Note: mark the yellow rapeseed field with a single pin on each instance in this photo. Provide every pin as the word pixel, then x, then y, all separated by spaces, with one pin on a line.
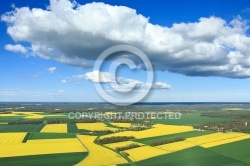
pixel 34 116
pixel 15 112
pixel 6 115
pixel 12 138
pixel 205 141
pixel 94 126
pixel 121 124
pixel 156 130
pixel 144 152
pixel 30 115
pixel 55 128
pixel 124 143
pixel 211 138
pixel 42 146
pixel 235 137
pixel 98 155
pixel 111 113
pixel 176 146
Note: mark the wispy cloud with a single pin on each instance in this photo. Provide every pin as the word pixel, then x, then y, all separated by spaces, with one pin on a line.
pixel 123 83
pixel 52 69
pixel 60 91
pixel 63 81
pixel 16 48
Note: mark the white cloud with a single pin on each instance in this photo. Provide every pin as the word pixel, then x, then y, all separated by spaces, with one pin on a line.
pixel 64 81
pixel 60 91
pixel 98 77
pixel 161 85
pixel 16 48
pixel 76 34
pixel 52 69
pixel 123 83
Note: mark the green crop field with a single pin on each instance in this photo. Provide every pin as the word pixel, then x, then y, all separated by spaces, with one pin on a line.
pixel 56 117
pixel 190 119
pixel 196 156
pixel 6 119
pixel 64 159
pixel 172 136
pixel 51 135
pixel 238 150
pixel 72 128
pixel 21 128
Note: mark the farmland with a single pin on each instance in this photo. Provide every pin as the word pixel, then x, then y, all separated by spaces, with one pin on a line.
pixel 191 119
pixel 51 138
pixel 10 138
pixel 63 159
pixel 171 136
pixel 121 124
pixel 42 146
pixel 55 128
pixel 99 153
pixel 156 130
pixel 21 128
pixel 37 135
pixel 119 144
pixel 238 150
pixel 94 126
pixel 144 152
pixel 194 156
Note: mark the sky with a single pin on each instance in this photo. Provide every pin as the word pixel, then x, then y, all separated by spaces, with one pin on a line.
pixel 199 51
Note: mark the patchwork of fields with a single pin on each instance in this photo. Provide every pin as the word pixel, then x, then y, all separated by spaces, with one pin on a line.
pixel 205 141
pixel 156 130
pixel 33 142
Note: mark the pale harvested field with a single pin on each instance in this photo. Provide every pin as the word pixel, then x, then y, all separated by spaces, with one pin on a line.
pixel 12 138
pixel 42 146
pixel 94 126
pixel 55 128
pixel 156 130
pixel 98 155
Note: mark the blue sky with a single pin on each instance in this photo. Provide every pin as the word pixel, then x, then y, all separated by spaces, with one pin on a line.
pixel 29 73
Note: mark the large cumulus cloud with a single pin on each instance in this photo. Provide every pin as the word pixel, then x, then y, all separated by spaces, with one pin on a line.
pixel 76 34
